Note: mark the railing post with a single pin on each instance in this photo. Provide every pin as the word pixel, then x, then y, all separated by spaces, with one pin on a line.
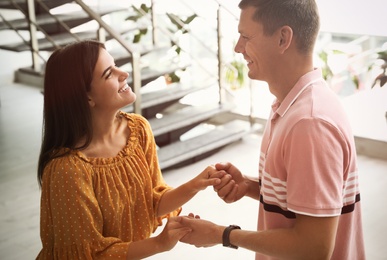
pixel 136 76
pixel 101 34
pixel 220 61
pixel 153 19
pixel 33 39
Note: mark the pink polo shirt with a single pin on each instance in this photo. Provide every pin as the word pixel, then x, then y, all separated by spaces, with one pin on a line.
pixel 308 165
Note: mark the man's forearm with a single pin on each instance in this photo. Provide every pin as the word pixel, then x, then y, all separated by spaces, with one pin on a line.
pixel 253 187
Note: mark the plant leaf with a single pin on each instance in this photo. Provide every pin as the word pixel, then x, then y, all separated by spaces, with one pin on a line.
pixel 145 8
pixel 173 77
pixel 139 34
pixel 178 50
pixel 337 52
pixel 323 56
pixel 174 18
pixel 383 80
pixel 132 18
pixel 382 55
pixel 137 38
pixel 144 31
pixel 356 81
pixel 190 19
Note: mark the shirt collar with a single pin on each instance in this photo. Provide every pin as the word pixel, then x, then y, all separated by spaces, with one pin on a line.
pixel 305 81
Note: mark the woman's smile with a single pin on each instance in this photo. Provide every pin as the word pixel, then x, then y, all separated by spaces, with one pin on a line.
pixel 124 89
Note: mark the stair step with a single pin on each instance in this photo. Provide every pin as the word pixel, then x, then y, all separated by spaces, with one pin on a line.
pixel 122 57
pixel 29 76
pixel 150 74
pixel 189 115
pixel 73 19
pixel 182 152
pixel 171 92
pixel 7 4
pixel 62 39
pixel 44 44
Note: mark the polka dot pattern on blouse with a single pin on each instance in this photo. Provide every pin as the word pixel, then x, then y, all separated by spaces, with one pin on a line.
pixel 92 208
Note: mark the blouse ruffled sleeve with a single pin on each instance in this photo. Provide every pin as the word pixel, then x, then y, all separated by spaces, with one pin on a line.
pixel 71 219
pixel 159 186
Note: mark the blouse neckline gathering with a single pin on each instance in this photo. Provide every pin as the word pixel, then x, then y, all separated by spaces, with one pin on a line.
pixel 126 150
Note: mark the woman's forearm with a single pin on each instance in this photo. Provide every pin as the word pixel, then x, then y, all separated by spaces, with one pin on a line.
pixel 144 248
pixel 175 198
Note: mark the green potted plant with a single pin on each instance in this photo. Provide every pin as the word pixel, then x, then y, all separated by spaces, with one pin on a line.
pixel 382 77
pixel 139 13
pixel 327 71
pixel 180 27
pixel 178 22
pixel 235 73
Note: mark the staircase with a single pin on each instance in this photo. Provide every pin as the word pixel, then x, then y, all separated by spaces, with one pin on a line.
pixel 180 93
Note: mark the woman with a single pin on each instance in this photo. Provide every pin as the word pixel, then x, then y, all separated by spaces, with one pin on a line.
pixel 103 194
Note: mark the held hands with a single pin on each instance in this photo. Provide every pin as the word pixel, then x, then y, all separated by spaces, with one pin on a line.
pixel 230 185
pixel 175 198
pixel 203 233
pixel 233 185
pixel 209 177
pixel 171 234
pixel 226 179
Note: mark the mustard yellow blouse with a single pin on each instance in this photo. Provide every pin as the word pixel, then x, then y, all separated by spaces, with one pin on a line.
pixel 92 208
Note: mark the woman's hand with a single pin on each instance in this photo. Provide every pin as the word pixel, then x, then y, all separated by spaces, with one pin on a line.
pixel 171 234
pixel 210 176
pixel 175 198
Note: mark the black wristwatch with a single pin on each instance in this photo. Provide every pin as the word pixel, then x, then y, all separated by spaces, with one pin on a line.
pixel 226 236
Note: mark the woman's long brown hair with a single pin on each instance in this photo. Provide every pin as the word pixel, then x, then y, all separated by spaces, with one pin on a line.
pixel 66 111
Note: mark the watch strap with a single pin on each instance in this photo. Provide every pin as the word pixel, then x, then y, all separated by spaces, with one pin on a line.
pixel 226 236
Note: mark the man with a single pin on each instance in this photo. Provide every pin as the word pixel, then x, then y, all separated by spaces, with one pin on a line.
pixel 308 182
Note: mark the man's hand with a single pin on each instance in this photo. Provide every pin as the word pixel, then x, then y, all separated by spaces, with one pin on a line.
pixel 233 185
pixel 204 233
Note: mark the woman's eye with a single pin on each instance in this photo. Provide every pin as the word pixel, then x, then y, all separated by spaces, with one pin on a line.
pixel 109 75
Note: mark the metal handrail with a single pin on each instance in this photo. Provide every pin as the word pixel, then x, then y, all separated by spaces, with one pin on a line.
pixel 19 34
pixel 45 7
pixel 135 54
pixel 217 54
pixel 32 29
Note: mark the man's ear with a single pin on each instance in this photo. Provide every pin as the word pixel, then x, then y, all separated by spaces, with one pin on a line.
pixel 285 37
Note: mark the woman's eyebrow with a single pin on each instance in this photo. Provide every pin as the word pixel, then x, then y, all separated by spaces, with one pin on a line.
pixel 106 70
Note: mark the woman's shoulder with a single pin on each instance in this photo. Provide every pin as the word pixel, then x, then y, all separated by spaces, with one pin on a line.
pixel 140 127
pixel 67 159
pixel 136 120
pixel 68 164
pixel 133 116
